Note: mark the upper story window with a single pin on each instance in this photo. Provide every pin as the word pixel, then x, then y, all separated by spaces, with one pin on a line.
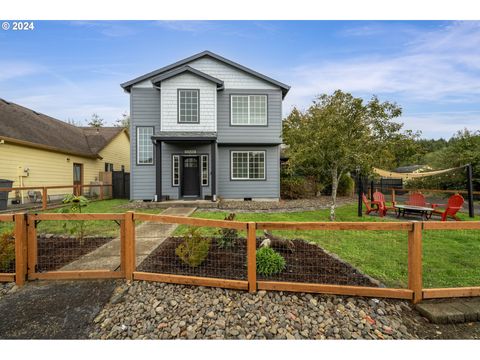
pixel 144 145
pixel 248 110
pixel 188 106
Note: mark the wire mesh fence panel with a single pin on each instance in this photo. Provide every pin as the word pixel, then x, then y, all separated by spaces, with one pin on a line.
pixel 191 250
pixel 75 245
pixel 373 258
pixel 7 247
pixel 451 258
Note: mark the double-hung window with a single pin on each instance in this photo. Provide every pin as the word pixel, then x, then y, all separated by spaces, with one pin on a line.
pixel 248 165
pixel 188 106
pixel 248 110
pixel 144 145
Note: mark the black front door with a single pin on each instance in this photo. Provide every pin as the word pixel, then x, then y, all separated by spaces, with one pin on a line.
pixel 190 176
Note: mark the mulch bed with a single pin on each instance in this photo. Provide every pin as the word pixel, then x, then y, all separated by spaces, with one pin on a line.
pixel 55 252
pixel 306 263
pixel 58 251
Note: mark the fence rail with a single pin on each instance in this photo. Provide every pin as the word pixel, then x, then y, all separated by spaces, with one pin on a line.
pixel 76 189
pixel 26 253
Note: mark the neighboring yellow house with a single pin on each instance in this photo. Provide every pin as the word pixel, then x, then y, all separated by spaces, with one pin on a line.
pixel 37 150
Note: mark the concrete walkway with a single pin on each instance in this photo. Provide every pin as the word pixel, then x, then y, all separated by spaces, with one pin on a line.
pixel 148 236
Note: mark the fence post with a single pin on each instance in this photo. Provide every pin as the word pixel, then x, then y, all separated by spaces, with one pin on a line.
pixel 252 257
pixel 44 198
pixel 101 192
pixel 415 261
pixel 129 239
pixel 20 247
pixel 31 245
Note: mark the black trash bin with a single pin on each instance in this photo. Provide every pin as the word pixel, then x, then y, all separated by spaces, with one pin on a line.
pixel 4 194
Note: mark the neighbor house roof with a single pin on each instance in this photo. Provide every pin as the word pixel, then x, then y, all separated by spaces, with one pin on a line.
pixel 28 127
pixel 127 85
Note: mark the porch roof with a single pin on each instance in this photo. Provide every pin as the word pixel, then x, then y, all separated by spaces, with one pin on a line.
pixel 184 136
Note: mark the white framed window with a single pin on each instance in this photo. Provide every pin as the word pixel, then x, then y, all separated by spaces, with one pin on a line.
pixel 248 165
pixel 144 145
pixel 175 170
pixel 204 170
pixel 188 106
pixel 248 110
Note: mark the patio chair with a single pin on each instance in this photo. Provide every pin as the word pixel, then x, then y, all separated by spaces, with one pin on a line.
pixel 367 205
pixel 379 200
pixel 418 199
pixel 455 203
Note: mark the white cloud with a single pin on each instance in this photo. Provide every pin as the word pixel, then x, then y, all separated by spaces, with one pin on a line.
pixel 14 69
pixel 439 66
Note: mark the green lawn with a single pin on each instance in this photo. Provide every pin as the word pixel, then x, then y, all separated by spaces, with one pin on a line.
pixel 100 227
pixel 451 258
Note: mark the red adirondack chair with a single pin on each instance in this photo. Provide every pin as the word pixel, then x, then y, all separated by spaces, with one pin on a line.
pixel 379 200
pixel 455 203
pixel 367 205
pixel 418 199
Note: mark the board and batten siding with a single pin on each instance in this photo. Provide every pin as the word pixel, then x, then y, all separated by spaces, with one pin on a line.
pixel 256 189
pixel 233 78
pixel 169 103
pixel 270 134
pixel 144 111
pixel 167 151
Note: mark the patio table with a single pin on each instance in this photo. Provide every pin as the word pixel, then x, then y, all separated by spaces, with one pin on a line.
pixel 423 211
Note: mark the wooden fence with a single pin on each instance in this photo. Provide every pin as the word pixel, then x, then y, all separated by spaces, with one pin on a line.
pixel 25 242
pixel 76 189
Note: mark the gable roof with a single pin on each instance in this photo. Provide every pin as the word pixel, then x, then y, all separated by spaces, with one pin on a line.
pixel 186 68
pixel 127 85
pixel 28 127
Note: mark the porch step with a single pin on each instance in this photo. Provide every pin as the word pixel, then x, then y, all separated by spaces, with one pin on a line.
pixel 205 204
pixel 450 311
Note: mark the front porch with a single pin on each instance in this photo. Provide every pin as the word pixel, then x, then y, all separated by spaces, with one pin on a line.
pixel 186 166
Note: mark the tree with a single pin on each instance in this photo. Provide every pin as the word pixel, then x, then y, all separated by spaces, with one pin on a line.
pixel 340 133
pixel 124 121
pixel 95 121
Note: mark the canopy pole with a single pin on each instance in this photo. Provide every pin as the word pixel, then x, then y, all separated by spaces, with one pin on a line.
pixel 360 188
pixel 470 190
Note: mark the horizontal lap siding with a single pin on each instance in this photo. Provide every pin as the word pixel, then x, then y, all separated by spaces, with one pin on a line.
pixel 269 188
pixel 145 111
pixel 167 151
pixel 250 134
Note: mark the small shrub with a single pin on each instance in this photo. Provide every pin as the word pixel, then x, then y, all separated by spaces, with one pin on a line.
pixel 346 186
pixel 227 236
pixel 269 262
pixel 194 249
pixel 75 206
pixel 7 251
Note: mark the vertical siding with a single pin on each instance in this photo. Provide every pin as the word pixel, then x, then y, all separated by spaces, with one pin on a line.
pixel 270 134
pixel 230 189
pixel 144 111
pixel 208 94
pixel 167 151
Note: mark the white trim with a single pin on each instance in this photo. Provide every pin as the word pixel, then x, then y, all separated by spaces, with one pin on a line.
pixel 248 152
pixel 137 146
pixel 173 169
pixel 249 123
pixel 201 169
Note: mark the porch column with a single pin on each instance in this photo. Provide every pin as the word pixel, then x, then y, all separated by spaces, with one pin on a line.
pixel 158 169
pixel 213 156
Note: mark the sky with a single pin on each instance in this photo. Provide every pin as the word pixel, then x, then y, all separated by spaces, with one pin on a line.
pixel 71 69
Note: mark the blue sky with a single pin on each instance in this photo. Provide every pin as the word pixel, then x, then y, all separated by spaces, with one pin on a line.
pixel 70 69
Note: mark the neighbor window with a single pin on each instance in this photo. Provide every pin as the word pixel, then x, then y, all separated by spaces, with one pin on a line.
pixel 188 106
pixel 204 170
pixel 248 165
pixel 144 145
pixel 108 167
pixel 176 170
pixel 249 110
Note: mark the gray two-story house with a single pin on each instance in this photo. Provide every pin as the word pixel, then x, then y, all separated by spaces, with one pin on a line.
pixel 205 127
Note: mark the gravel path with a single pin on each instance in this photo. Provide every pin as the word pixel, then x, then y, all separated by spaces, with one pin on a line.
pixel 146 310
